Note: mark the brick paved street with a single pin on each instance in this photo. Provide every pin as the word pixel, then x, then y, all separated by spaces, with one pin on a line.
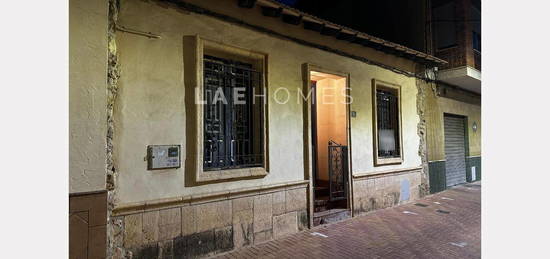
pixel 406 231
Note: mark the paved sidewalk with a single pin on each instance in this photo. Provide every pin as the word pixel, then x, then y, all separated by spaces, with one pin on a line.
pixel 406 231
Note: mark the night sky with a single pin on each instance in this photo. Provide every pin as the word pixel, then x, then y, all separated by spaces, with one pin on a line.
pixel 399 21
pixel 287 2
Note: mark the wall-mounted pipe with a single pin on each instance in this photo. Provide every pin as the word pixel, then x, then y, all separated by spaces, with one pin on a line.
pixel 146 34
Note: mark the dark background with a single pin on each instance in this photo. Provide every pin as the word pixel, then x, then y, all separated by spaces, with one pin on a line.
pixel 399 21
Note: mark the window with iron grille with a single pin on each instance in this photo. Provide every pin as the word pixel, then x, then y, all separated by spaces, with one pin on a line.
pixel 387 115
pixel 233 120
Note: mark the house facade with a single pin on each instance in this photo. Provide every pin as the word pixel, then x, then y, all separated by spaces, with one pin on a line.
pixel 198 127
pixel 449 30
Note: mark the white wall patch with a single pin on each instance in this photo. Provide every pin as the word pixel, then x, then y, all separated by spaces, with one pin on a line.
pixel 318 234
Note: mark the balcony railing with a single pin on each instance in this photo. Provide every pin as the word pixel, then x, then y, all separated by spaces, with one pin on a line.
pixel 453 55
pixel 457 58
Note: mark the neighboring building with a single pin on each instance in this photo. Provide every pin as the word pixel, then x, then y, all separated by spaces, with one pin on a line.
pixel 454 110
pixel 160 168
pixel 456 38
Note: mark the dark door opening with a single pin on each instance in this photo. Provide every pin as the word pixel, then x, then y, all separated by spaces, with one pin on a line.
pixel 329 119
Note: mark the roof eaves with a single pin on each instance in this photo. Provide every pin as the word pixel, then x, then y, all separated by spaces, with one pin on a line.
pixel 336 29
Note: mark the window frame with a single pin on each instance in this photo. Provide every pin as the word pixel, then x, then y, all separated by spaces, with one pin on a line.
pixel 228 130
pixel 195 47
pixel 378 161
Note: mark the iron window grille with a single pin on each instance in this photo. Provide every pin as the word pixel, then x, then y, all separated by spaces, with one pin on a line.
pixel 233 120
pixel 388 124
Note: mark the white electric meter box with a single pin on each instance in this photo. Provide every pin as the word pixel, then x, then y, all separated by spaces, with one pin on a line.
pixel 163 157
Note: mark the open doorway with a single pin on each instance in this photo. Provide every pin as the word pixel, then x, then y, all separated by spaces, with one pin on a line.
pixel 329 117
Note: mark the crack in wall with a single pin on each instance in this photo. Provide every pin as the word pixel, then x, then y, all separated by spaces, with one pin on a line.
pixel 114 224
pixel 113 74
pixel 424 188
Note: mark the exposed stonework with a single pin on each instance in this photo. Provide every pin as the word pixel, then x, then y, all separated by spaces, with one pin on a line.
pixel 166 249
pixel 263 213
pixel 206 228
pixel 169 223
pixel 117 229
pixel 189 220
pixel 279 203
pixel 372 193
pixel 113 74
pixel 421 130
pixel 296 199
pixel 213 215
pixel 263 236
pixel 133 230
pixel 285 224
pixel 243 219
pixel 114 225
pixel 243 234
pixel 303 220
pixel 151 226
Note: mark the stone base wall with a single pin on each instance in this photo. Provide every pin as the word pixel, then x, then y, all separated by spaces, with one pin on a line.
pixel 385 190
pixel 204 228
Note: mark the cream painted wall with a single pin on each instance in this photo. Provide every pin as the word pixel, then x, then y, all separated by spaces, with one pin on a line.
pixel 150 108
pixel 473 114
pixel 331 119
pixel 87 94
pixel 254 16
pixel 361 126
pixel 435 109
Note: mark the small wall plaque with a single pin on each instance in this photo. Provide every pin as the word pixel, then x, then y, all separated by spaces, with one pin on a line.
pixel 163 157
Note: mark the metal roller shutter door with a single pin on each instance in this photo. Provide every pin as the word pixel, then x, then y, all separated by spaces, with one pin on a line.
pixel 455 154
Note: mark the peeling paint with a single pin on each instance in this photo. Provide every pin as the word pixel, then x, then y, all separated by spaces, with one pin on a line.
pixel 113 74
pixel 114 225
pixel 424 188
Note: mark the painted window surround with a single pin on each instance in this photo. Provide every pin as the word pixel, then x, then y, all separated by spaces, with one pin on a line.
pixel 195 47
pixel 376 84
